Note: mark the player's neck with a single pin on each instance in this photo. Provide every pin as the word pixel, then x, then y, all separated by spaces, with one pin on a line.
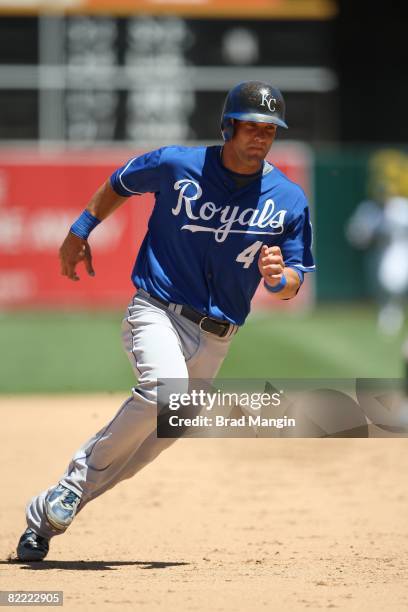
pixel 230 161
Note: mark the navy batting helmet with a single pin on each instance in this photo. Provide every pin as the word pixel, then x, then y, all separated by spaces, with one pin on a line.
pixel 252 101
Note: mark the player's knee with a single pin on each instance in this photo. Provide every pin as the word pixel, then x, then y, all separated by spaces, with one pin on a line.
pixel 161 389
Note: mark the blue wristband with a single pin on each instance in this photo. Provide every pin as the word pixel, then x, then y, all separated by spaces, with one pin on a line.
pixel 283 282
pixel 84 225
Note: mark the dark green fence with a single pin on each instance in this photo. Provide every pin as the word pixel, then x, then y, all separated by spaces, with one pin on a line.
pixel 340 184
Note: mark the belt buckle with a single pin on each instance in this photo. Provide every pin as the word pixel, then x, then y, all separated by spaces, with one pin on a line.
pixel 226 326
pixel 201 321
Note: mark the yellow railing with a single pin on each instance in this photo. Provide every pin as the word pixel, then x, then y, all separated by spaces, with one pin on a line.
pixel 271 9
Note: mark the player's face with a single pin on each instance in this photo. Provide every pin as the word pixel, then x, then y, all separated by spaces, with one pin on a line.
pixel 252 141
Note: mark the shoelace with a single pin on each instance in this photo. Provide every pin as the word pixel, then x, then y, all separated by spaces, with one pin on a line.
pixel 70 499
pixel 37 538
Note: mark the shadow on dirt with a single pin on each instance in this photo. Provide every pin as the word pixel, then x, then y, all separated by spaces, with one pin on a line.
pixel 90 565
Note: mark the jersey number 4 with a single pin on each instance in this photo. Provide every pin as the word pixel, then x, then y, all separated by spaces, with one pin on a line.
pixel 247 256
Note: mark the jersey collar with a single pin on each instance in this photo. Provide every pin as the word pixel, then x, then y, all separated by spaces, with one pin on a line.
pixel 227 176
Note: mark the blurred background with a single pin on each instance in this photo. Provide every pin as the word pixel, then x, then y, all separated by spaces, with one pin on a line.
pixel 87 84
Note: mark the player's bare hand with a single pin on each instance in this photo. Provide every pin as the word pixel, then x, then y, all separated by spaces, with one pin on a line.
pixel 271 264
pixel 74 250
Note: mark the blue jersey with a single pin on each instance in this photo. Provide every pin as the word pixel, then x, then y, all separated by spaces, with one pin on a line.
pixel 205 234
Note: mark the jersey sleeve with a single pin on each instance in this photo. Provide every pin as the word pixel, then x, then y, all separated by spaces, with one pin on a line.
pixel 297 246
pixel 139 175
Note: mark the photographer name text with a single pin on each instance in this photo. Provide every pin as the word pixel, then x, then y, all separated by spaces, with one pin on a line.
pixel 223 421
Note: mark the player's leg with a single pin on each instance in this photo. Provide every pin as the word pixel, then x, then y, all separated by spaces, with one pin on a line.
pixel 204 363
pixel 155 351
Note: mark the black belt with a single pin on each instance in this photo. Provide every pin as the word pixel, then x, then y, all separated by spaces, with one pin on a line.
pixel 219 328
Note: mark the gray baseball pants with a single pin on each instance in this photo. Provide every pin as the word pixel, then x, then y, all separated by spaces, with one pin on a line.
pixel 160 343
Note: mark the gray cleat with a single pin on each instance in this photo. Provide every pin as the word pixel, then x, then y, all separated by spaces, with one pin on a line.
pixel 60 507
pixel 32 547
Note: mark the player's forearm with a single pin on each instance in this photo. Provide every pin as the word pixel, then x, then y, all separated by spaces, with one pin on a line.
pixel 292 284
pixel 104 201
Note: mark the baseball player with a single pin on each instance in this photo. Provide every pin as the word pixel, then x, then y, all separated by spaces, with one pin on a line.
pixel 224 219
pixel 380 226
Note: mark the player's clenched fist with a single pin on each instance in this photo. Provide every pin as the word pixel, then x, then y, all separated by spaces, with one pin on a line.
pixel 72 251
pixel 271 264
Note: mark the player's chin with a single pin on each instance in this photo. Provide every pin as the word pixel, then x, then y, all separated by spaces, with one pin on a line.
pixel 255 155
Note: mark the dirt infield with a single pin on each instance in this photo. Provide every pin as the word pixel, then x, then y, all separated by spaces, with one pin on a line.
pixel 237 525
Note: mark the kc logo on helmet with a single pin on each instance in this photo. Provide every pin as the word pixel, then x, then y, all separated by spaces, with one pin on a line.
pixel 268 101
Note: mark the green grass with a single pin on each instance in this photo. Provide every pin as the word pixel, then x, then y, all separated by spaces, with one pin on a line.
pixel 330 342
pixel 81 351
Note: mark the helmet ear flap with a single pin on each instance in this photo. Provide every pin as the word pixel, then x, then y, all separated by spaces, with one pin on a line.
pixel 227 129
